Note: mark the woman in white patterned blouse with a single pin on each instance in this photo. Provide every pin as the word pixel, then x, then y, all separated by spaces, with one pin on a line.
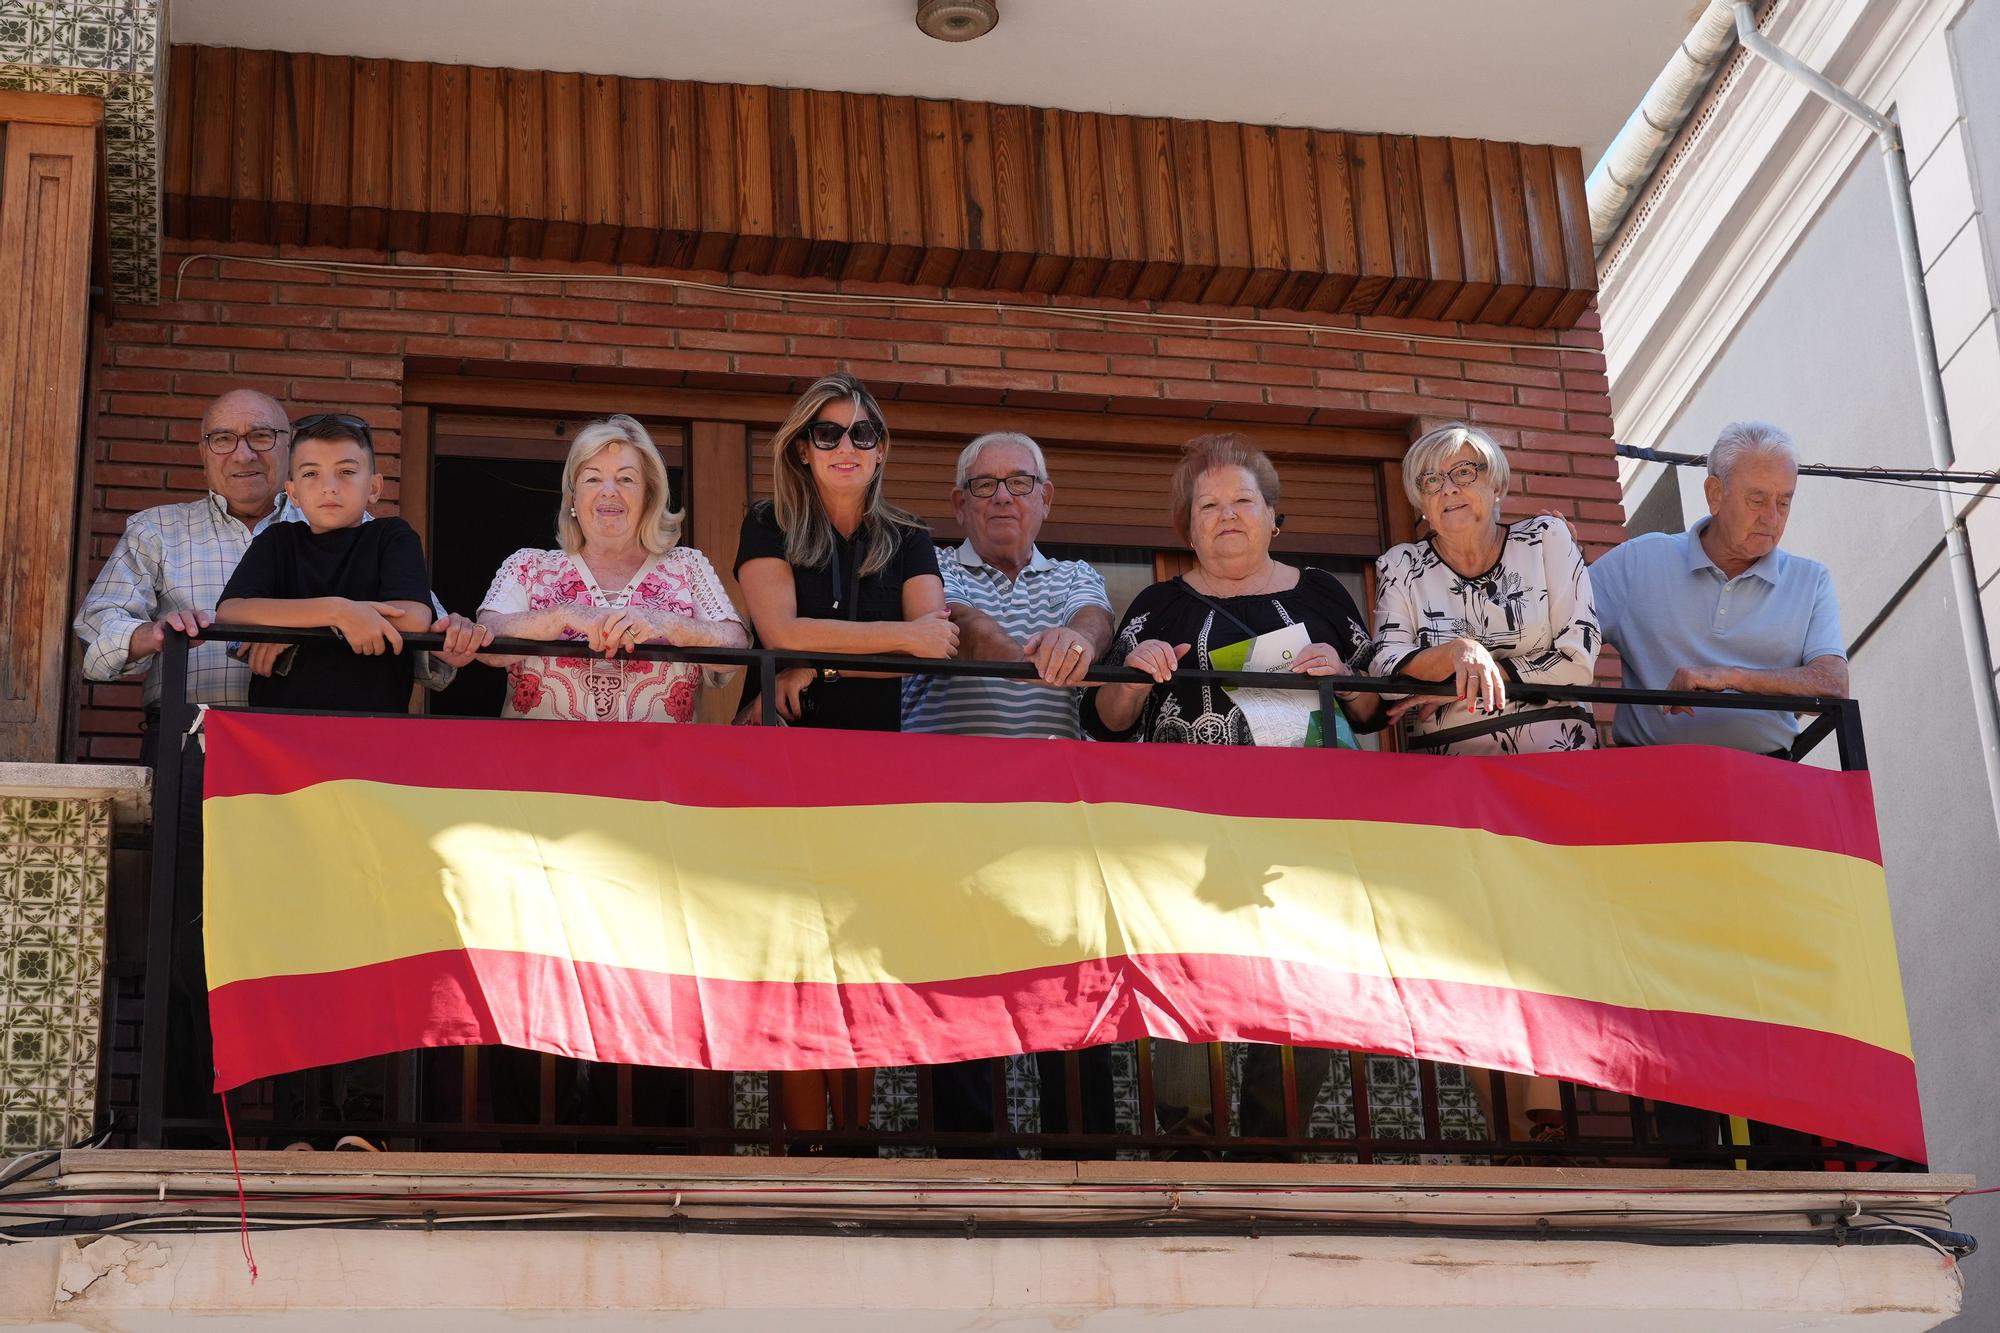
pixel 616 580
pixel 1485 604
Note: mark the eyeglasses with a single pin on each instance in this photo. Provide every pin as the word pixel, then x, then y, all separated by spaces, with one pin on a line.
pixel 1461 474
pixel 863 434
pixel 319 420
pixel 262 439
pixel 984 488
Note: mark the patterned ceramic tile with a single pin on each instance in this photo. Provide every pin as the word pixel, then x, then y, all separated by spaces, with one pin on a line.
pixel 54 873
pixel 109 49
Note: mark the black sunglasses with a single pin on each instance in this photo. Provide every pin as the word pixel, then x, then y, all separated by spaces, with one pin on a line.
pixel 826 435
pixel 347 421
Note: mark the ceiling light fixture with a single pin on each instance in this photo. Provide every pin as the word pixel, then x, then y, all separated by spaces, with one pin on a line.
pixel 957 20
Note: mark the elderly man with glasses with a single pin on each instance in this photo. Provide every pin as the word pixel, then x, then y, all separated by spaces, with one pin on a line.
pixel 1011 603
pixel 170 566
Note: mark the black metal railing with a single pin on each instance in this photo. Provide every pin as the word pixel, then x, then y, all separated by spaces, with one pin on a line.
pixel 1347 1105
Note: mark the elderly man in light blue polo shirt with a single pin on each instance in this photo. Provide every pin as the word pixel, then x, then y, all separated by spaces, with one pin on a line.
pixel 1720 607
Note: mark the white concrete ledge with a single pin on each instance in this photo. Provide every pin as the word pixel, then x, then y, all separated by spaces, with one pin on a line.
pixel 129 787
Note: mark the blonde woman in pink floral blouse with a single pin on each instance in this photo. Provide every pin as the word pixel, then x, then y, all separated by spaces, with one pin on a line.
pixel 618 579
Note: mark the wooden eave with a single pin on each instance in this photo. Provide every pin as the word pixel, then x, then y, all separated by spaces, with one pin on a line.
pixel 321 150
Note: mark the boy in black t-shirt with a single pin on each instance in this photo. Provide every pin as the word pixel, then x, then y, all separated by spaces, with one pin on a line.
pixel 362 579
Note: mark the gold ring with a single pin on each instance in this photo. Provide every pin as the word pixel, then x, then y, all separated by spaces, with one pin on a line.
pixel 1076 647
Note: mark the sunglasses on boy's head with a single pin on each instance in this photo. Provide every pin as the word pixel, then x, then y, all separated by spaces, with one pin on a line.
pixel 864 434
pixel 306 426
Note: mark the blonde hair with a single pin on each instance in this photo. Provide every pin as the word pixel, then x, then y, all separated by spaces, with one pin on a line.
pixel 1203 455
pixel 1434 447
pixel 795 499
pixel 659 527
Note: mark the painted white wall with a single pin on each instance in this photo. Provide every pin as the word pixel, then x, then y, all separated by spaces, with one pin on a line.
pixel 1534 71
pixel 750 1284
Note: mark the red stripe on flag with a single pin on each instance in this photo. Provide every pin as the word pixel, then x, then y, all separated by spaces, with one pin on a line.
pixel 1817 1082
pixel 1665 794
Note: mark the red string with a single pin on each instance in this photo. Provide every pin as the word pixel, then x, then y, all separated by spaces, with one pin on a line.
pixel 242 1200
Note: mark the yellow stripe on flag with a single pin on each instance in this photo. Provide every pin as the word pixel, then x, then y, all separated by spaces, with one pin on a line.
pixel 967 890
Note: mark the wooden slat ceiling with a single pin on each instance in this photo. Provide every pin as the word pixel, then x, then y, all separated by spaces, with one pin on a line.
pixel 448 159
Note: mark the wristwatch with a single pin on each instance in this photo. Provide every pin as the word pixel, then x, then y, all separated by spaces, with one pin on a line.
pixel 827 675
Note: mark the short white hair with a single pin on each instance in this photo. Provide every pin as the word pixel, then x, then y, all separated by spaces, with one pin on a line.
pixel 1749 439
pixel 1429 453
pixel 970 454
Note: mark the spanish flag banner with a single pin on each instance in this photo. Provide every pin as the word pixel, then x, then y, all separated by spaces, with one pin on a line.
pixel 1683 923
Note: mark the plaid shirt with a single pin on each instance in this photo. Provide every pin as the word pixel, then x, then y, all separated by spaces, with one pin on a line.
pixel 179 558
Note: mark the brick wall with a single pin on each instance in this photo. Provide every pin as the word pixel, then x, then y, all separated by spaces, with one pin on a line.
pixel 318 340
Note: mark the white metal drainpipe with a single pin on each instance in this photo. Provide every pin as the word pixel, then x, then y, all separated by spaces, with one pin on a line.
pixel 1964 587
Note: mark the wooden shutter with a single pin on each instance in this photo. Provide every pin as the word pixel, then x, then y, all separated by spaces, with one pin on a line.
pixel 1117 495
pixel 470 435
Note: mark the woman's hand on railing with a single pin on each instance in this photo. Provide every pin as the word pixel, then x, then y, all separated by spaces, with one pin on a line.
pixel 1425 706
pixel 1477 677
pixel 792 684
pixel 1157 658
pixel 1321 659
pixel 462 640
pixel 616 630
pixel 931 635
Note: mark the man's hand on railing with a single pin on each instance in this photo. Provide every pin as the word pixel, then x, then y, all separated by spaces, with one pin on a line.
pixel 1061 656
pixel 366 628
pixel 151 636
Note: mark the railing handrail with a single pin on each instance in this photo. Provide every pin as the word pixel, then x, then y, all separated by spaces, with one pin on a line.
pixel 1098 675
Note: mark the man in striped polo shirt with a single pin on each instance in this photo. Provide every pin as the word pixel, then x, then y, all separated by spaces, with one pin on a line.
pixel 1011 603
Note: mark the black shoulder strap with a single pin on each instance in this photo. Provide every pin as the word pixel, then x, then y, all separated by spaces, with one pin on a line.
pixel 1216 607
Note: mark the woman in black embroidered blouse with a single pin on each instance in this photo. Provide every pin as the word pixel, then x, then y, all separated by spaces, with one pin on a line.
pixel 1225 506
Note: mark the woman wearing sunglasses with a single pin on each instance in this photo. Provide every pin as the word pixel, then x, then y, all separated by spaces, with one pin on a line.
pixel 828 565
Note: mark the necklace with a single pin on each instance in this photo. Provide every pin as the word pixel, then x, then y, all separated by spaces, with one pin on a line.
pixel 1265 580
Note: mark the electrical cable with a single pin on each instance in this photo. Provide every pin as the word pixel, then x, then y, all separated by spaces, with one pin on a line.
pixel 22 1167
pixel 1950 1244
pixel 707 1192
pixel 1958 1250
pixel 1914 478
